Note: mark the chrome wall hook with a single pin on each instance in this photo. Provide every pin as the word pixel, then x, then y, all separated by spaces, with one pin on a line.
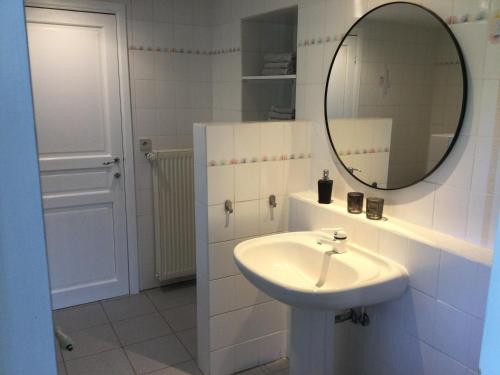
pixel 272 201
pixel 228 206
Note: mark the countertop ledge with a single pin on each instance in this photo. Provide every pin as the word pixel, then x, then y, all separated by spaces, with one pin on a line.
pixel 411 231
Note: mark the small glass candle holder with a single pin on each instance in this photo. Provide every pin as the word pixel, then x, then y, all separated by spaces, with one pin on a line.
pixel 374 208
pixel 355 202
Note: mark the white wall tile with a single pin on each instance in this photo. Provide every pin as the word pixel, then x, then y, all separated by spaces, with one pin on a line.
pixel 220 143
pixel 273 346
pixel 247 294
pixel 220 224
pixel 143 178
pixel 223 295
pixel 452 330
pixel 145 94
pixel 275 219
pixel 366 236
pixel 450 210
pixel 221 260
pixel 143 64
pixel 142 34
pixel 423 266
pixel 419 312
pixel 246 355
pixel 272 178
pixel 442 364
pixel 220 184
pixel 472 39
pixel 163 10
pixel 246 219
pixel 297 138
pixel 297 175
pixel 246 181
pixel 417 357
pixel 393 247
pixel 271 140
pixel 144 201
pixel 489 98
pixel 142 10
pixel 222 361
pixel 224 329
pixel 246 142
pixel 467 292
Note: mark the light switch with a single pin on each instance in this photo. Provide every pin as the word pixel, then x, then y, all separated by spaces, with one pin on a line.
pixel 145 145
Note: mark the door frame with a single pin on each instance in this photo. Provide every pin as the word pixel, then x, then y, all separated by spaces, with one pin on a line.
pixel 119 11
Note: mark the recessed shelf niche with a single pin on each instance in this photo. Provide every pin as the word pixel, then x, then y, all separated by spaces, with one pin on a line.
pixel 269 33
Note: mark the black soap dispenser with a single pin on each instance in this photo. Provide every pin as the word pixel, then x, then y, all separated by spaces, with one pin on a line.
pixel 325 186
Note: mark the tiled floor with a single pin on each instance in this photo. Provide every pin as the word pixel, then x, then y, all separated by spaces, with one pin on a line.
pixel 149 333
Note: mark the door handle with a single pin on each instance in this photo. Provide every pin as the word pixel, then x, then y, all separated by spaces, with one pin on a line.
pixel 114 161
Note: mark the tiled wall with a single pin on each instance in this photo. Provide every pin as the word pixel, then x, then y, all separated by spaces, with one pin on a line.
pixel 436 327
pixel 364 144
pixel 239 326
pixel 412 60
pixel 171 74
pixel 463 197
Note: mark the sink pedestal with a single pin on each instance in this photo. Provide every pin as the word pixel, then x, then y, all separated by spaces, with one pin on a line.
pixel 311 342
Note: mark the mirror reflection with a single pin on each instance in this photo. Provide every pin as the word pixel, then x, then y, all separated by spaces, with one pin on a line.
pixel 395 96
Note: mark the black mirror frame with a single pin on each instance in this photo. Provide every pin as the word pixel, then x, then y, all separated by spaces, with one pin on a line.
pixel 464 96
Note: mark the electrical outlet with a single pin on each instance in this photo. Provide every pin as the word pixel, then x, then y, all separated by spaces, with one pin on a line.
pixel 145 145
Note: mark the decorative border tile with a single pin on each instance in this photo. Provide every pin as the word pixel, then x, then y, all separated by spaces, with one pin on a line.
pixel 186 51
pixel 263 159
pixel 378 150
pixel 451 20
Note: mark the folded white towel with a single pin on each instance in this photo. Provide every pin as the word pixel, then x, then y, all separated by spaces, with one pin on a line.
pixel 283 110
pixel 278 65
pixel 279 57
pixel 277 72
pixel 280 116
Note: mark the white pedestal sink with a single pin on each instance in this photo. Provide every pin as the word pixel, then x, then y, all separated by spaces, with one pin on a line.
pixel 288 266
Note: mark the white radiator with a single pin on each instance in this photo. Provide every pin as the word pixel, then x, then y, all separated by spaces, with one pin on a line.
pixel 173 188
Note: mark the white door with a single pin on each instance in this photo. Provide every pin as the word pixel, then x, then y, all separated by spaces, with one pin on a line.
pixel 75 78
pixel 343 88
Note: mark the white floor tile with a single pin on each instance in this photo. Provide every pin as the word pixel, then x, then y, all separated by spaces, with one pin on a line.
pixel 141 328
pixel 181 318
pixel 189 340
pixel 174 296
pixel 156 354
pixel 113 362
pixel 186 368
pixel 92 341
pixel 80 317
pixel 128 307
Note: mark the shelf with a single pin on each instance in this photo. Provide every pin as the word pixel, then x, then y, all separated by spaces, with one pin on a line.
pixel 262 78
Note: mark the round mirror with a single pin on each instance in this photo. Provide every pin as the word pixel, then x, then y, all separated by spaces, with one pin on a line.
pixel 395 96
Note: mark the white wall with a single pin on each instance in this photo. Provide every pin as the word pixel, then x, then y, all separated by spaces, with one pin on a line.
pixel 26 337
pixel 169 55
pixel 239 326
pixel 436 326
pixel 463 196
pixel 491 345
pixel 171 90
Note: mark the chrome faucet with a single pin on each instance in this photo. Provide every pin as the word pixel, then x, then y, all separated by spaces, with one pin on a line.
pixel 338 242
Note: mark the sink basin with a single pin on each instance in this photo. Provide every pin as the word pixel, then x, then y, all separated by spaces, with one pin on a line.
pixel 302 270
pixel 294 269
